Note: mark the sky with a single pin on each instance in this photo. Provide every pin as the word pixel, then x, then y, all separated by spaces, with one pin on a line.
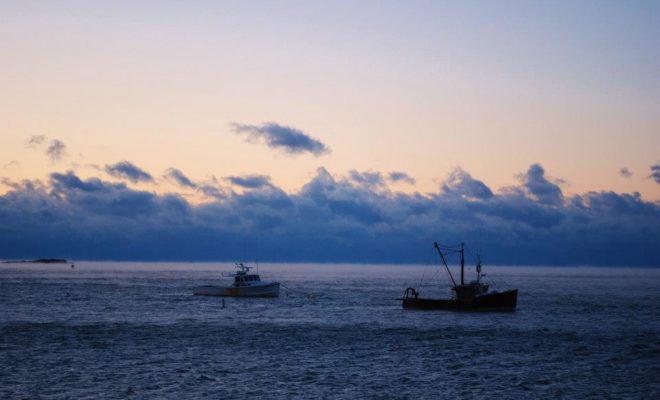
pixel 330 131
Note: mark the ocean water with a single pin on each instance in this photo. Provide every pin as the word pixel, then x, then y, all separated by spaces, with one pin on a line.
pixel 134 330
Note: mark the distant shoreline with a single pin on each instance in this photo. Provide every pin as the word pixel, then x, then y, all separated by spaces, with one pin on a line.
pixel 38 261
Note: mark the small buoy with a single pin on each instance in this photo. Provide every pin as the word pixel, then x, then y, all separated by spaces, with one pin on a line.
pixel 71 265
pixel 223 303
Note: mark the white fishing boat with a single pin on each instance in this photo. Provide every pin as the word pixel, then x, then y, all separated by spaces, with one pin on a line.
pixel 244 284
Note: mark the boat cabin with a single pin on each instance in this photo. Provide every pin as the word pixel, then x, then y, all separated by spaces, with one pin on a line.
pixel 467 292
pixel 245 279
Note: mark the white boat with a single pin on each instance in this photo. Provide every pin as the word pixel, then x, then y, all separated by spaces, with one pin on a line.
pixel 244 284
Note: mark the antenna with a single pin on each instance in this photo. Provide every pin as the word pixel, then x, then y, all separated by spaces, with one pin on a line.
pixel 478 267
pixel 256 257
pixel 462 263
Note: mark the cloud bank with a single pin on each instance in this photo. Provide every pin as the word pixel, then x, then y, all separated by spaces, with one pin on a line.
pixel 290 140
pixel 331 219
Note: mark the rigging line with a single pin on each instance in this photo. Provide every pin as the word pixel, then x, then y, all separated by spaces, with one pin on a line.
pixel 444 261
pixel 423 274
pixel 424 285
pixel 429 262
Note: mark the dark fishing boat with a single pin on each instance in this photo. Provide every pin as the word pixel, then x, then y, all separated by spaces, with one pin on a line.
pixel 473 296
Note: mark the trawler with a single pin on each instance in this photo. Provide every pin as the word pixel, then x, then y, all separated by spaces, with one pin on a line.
pixel 472 296
pixel 244 284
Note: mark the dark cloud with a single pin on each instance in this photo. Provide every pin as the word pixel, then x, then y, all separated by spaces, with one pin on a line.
pixel 56 150
pixel 329 219
pixel 212 191
pixel 367 178
pixel 625 172
pixel 397 176
pixel 462 184
pixel 655 173
pixel 544 191
pixel 126 170
pixel 180 179
pixel 281 137
pixel 69 181
pixel 211 188
pixel 249 181
pixel 34 141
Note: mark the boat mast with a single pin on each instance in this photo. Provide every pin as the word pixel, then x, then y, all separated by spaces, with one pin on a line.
pixel 462 263
pixel 442 256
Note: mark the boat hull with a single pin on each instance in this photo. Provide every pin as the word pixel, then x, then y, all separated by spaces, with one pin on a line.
pixel 269 290
pixel 500 301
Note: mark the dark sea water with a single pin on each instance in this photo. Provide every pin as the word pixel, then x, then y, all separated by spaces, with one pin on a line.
pixel 133 330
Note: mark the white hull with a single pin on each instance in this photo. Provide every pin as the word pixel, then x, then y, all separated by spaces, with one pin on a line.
pixel 266 290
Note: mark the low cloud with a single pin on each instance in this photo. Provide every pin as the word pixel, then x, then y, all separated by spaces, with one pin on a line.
pixel 249 181
pixel 655 173
pixel 329 219
pixel 56 150
pixel 34 141
pixel 128 171
pixel 461 183
pixel 625 172
pixel 275 136
pixel 538 186
pixel 212 191
pixel 367 178
pixel 179 178
pixel 397 176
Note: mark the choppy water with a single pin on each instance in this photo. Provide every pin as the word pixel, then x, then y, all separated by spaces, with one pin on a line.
pixel 127 330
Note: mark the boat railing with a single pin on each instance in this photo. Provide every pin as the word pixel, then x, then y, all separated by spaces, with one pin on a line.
pixel 242 267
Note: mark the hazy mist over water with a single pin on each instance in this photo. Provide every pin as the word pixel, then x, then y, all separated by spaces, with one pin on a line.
pixel 134 330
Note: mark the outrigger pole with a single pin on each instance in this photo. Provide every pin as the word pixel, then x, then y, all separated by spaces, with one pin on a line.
pixel 442 256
